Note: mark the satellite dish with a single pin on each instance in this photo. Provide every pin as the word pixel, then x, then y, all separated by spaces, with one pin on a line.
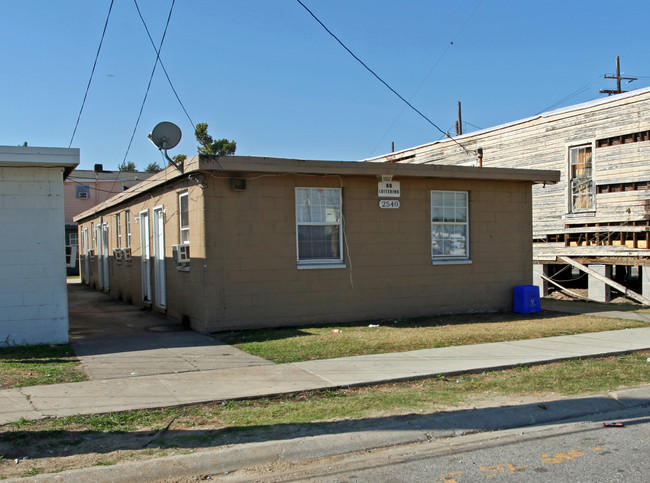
pixel 166 135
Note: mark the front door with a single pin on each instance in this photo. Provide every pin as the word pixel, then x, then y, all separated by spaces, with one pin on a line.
pixel 100 252
pixel 84 240
pixel 145 260
pixel 159 256
pixel 105 258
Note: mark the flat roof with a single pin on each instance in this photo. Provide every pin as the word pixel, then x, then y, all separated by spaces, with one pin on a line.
pixel 242 165
pixel 40 157
pixel 127 178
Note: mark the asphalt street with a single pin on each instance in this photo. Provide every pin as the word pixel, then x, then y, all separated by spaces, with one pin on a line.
pixel 579 451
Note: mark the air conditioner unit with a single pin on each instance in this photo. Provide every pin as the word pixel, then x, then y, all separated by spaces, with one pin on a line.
pixel 126 254
pixel 181 253
pixel 118 254
pixel 90 253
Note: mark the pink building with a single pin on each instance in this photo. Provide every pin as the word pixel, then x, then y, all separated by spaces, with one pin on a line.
pixel 84 189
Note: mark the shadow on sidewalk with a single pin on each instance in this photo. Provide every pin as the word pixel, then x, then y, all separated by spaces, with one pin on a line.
pixel 115 339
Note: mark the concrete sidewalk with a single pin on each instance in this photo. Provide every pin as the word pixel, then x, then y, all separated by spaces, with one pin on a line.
pixel 113 340
pixel 162 390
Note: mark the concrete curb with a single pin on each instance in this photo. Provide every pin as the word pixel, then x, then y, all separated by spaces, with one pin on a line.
pixel 361 435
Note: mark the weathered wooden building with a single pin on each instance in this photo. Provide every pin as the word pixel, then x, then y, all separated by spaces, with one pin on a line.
pixel 598 216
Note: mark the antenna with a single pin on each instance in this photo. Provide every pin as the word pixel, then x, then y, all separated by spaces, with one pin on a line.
pixel 166 135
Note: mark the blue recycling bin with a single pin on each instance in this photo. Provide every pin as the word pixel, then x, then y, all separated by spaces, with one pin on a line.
pixel 527 299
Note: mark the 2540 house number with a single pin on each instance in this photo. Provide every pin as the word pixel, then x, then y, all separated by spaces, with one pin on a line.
pixel 388 203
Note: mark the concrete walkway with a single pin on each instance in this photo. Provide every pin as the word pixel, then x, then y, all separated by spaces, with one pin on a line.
pixel 114 340
pixel 135 367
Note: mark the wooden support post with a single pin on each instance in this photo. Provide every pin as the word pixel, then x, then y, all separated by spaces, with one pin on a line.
pixel 606 280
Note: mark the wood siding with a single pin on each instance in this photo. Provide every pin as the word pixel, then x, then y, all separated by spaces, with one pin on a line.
pixel 621 171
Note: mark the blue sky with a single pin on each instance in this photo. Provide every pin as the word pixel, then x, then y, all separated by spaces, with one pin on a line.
pixel 264 73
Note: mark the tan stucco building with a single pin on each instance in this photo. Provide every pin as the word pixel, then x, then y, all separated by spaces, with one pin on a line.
pixel 278 242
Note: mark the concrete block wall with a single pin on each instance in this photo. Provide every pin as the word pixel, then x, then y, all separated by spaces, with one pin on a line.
pixel 244 274
pixel 33 293
pixel 253 279
pixel 184 288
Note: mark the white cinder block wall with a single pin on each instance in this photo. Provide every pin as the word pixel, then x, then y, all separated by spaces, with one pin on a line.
pixel 33 292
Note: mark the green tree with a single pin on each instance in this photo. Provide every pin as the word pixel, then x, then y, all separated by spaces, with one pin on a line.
pixel 152 168
pixel 179 158
pixel 209 146
pixel 127 167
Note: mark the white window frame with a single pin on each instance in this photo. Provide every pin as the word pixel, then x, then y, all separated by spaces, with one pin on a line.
pixel 118 230
pixel 183 229
pixel 451 221
pixel 127 218
pixel 73 238
pixel 82 192
pixel 319 262
pixel 590 192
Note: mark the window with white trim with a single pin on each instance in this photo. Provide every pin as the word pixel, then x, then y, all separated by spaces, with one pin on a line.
pixel 184 218
pixel 73 239
pixel 449 225
pixel 127 218
pixel 319 226
pixel 118 230
pixel 581 184
pixel 82 192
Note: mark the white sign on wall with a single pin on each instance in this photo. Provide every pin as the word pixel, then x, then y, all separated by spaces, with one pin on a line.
pixel 388 189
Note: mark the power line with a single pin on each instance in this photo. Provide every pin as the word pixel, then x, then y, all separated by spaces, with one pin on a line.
pixel 473 125
pixel 153 71
pixel 433 67
pixel 564 99
pixel 153 44
pixel 110 8
pixel 377 76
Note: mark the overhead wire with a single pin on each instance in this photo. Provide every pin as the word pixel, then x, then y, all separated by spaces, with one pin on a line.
pixel 153 44
pixel 564 99
pixel 153 71
pixel 378 77
pixel 92 72
pixel 433 67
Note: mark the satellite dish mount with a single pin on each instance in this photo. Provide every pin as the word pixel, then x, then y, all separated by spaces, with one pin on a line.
pixel 166 135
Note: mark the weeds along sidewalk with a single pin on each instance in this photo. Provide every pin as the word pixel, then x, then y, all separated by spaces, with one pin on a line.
pixel 93 397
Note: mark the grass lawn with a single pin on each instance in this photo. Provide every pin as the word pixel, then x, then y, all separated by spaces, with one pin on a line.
pixel 78 441
pixel 38 364
pixel 319 342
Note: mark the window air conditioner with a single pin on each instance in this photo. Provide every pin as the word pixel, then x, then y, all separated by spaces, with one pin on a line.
pixel 181 253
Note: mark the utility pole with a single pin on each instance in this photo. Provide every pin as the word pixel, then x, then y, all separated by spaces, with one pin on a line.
pixel 459 123
pixel 618 78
